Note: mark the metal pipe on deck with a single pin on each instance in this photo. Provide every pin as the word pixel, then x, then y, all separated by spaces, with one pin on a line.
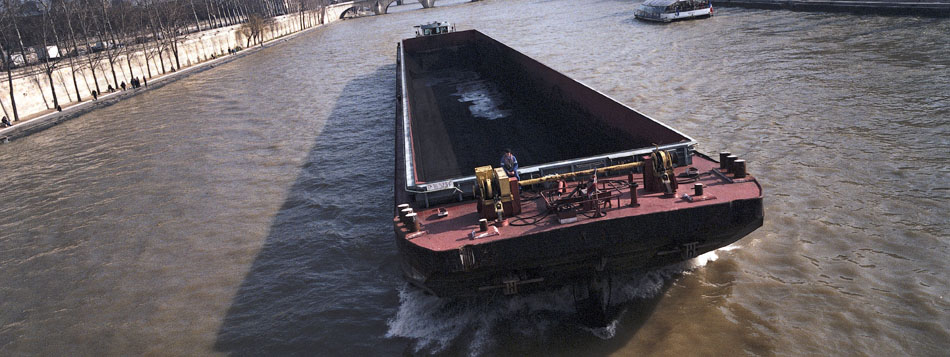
pixel 601 170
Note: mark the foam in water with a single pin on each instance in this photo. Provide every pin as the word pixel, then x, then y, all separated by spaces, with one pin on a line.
pixel 484 98
pixel 434 323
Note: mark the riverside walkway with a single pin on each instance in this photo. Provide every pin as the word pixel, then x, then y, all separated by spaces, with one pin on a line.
pixel 932 8
pixel 38 121
pixel 43 120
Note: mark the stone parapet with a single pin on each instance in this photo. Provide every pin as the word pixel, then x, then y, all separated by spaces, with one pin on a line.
pixel 938 8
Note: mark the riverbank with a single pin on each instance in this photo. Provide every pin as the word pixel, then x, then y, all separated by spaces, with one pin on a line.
pixel 940 8
pixel 40 121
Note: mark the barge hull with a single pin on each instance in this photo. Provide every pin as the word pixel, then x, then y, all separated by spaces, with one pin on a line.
pixel 558 257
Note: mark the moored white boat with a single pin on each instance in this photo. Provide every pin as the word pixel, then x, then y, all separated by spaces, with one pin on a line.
pixel 673 10
pixel 434 28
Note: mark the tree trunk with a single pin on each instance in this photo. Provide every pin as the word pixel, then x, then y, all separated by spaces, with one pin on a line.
pixel 96 80
pixel 49 67
pixel 211 18
pixel 52 86
pixel 128 61
pixel 161 60
pixel 148 70
pixel 20 41
pixel 175 51
pixel 72 66
pixel 115 79
pixel 147 67
pixel 90 57
pixel 6 58
pixel 197 26
pixel 72 69
pixel 234 16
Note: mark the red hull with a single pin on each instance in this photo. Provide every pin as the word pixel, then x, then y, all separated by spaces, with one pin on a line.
pixel 660 231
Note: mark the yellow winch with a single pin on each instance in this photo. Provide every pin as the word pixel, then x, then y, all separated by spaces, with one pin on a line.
pixel 499 196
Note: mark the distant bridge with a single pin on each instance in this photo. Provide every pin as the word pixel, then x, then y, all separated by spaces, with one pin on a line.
pixel 379 7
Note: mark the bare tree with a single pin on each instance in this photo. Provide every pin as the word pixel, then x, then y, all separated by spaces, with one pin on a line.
pixel 93 52
pixel 212 19
pixel 171 24
pixel 128 29
pixel 50 41
pixel 253 29
pixel 108 36
pixel 13 9
pixel 195 13
pixel 153 23
pixel 71 38
pixel 6 15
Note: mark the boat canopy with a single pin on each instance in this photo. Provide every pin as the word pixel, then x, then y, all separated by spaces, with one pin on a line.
pixel 659 3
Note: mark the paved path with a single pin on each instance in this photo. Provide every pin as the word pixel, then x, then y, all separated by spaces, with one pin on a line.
pixel 40 121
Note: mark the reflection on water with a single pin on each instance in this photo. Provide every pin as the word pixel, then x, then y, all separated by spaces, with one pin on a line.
pixel 246 208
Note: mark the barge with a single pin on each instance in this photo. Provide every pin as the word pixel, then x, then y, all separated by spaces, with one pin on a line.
pixel 603 188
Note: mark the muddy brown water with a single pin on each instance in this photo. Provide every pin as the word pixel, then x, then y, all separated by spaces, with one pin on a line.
pixel 246 209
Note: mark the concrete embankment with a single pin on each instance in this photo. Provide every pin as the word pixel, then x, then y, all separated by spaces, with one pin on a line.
pixel 939 8
pixel 41 122
pixel 198 52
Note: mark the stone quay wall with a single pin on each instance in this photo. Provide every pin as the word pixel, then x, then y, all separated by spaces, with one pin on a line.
pixel 33 92
pixel 927 8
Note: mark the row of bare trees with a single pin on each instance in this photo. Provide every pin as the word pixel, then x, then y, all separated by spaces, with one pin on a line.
pixel 42 35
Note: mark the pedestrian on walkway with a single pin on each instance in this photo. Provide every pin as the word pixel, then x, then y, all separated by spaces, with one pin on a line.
pixel 95 95
pixel 145 82
pixel 123 85
pixel 5 122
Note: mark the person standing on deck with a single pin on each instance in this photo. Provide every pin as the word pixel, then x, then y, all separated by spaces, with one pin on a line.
pixel 510 163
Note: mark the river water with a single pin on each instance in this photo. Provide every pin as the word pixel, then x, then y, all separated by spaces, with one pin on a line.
pixel 246 209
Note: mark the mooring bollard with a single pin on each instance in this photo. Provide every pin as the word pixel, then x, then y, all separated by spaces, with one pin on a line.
pixel 729 160
pixel 404 215
pixel 722 159
pixel 413 222
pixel 633 194
pixel 739 168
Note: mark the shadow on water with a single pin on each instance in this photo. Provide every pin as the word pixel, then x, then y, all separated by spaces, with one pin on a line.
pixel 325 280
